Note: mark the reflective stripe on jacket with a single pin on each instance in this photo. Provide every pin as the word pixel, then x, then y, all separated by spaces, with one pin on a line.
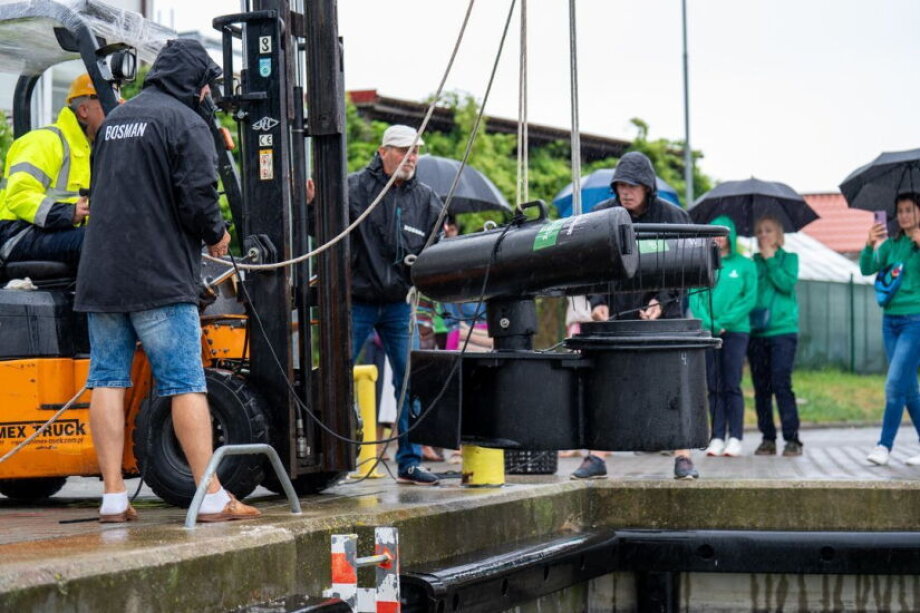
pixel 44 167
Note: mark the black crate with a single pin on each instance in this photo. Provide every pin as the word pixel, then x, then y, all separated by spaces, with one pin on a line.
pixel 520 462
pixel 40 324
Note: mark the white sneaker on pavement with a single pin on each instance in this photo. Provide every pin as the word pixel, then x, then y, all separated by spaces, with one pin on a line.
pixel 913 461
pixel 879 455
pixel 716 447
pixel 733 448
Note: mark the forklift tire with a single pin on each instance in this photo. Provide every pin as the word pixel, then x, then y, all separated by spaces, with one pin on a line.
pixel 237 417
pixel 304 485
pixel 30 490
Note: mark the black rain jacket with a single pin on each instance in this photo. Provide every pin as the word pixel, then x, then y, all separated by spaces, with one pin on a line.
pixel 399 226
pixel 154 192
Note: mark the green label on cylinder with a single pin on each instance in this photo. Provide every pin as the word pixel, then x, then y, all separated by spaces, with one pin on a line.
pixel 548 234
pixel 652 245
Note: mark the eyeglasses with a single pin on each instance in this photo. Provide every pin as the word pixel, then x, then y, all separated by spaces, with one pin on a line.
pixel 403 150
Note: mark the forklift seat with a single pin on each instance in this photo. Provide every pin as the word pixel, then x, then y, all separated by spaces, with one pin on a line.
pixel 44 274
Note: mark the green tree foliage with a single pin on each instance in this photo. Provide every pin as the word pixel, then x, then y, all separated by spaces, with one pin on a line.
pixel 496 156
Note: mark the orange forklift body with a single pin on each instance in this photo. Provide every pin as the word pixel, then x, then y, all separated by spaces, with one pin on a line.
pixel 33 389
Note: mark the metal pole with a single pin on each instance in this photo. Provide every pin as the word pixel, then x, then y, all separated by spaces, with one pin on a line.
pixel 576 137
pixel 688 151
pixel 852 292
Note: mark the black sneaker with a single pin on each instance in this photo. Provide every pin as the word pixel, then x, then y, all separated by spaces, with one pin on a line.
pixel 416 475
pixel 683 468
pixel 766 448
pixel 792 449
pixel 592 467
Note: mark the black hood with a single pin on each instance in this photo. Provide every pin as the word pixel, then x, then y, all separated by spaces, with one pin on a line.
pixel 635 168
pixel 181 69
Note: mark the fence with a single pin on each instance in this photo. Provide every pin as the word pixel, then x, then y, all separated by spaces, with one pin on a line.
pixel 840 325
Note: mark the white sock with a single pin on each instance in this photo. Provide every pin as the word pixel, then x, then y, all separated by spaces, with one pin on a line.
pixel 215 503
pixel 113 504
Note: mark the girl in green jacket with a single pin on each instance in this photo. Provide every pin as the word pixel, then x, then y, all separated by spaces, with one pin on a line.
pixel 901 321
pixel 771 351
pixel 725 310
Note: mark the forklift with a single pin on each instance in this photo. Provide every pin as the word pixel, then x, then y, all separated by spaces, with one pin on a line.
pixel 261 359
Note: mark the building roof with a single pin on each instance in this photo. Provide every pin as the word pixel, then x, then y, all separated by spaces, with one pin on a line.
pixel 839 227
pixel 372 106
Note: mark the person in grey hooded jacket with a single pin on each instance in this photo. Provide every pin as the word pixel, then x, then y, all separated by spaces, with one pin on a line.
pixel 634 183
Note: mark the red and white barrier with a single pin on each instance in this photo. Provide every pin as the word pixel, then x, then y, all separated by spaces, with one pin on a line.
pixel 384 598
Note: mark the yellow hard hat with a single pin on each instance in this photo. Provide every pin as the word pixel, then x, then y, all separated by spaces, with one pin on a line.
pixel 81 86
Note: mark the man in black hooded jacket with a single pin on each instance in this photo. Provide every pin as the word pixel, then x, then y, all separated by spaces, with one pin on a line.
pixel 635 186
pixel 154 203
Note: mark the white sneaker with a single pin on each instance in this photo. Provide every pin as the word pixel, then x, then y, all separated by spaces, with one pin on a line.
pixel 716 447
pixel 879 455
pixel 733 448
pixel 913 461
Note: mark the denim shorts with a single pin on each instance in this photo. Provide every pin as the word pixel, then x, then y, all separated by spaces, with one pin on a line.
pixel 171 338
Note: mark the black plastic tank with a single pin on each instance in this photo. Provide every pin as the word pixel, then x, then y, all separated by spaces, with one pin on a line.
pixel 647 388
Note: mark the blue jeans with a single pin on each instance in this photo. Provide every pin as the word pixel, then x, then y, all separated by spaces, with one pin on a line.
pixel 723 378
pixel 171 338
pixel 901 334
pixel 771 359
pixel 391 320
pixel 54 246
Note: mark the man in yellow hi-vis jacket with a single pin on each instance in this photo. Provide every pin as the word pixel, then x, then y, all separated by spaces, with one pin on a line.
pixel 41 209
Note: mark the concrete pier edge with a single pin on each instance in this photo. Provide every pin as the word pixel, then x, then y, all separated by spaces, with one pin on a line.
pixel 163 567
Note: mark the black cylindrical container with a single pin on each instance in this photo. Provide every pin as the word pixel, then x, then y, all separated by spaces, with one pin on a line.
pixel 647 390
pixel 673 263
pixel 528 258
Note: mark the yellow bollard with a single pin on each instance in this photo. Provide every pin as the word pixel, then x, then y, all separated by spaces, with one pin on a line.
pixel 483 467
pixel 366 393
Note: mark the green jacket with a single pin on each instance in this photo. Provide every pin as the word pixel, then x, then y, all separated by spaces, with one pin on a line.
pixel 902 249
pixel 776 279
pixel 735 291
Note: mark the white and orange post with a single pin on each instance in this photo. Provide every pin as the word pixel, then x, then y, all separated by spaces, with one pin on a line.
pixel 384 598
pixel 387 545
pixel 345 569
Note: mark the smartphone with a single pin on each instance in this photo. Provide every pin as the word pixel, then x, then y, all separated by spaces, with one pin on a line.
pixel 881 217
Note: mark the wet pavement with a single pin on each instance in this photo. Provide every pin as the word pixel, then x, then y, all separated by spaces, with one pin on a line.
pixel 55 554
pixel 830 455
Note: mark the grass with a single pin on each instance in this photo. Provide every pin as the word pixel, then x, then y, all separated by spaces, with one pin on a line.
pixel 828 396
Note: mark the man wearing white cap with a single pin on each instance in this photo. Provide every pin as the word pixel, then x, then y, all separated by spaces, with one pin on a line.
pixel 398 227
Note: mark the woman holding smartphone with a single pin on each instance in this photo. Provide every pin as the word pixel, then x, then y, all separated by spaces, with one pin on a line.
pixel 774 337
pixel 901 320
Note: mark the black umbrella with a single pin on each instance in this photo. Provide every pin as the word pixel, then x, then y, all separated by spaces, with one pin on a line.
pixel 475 192
pixel 747 201
pixel 875 186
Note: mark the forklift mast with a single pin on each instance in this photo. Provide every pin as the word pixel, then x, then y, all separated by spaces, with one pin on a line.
pixel 287 53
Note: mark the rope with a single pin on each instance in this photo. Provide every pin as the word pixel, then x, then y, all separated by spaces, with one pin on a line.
pixel 404 386
pixel 386 188
pixel 523 163
pixel 44 427
pixel 576 137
